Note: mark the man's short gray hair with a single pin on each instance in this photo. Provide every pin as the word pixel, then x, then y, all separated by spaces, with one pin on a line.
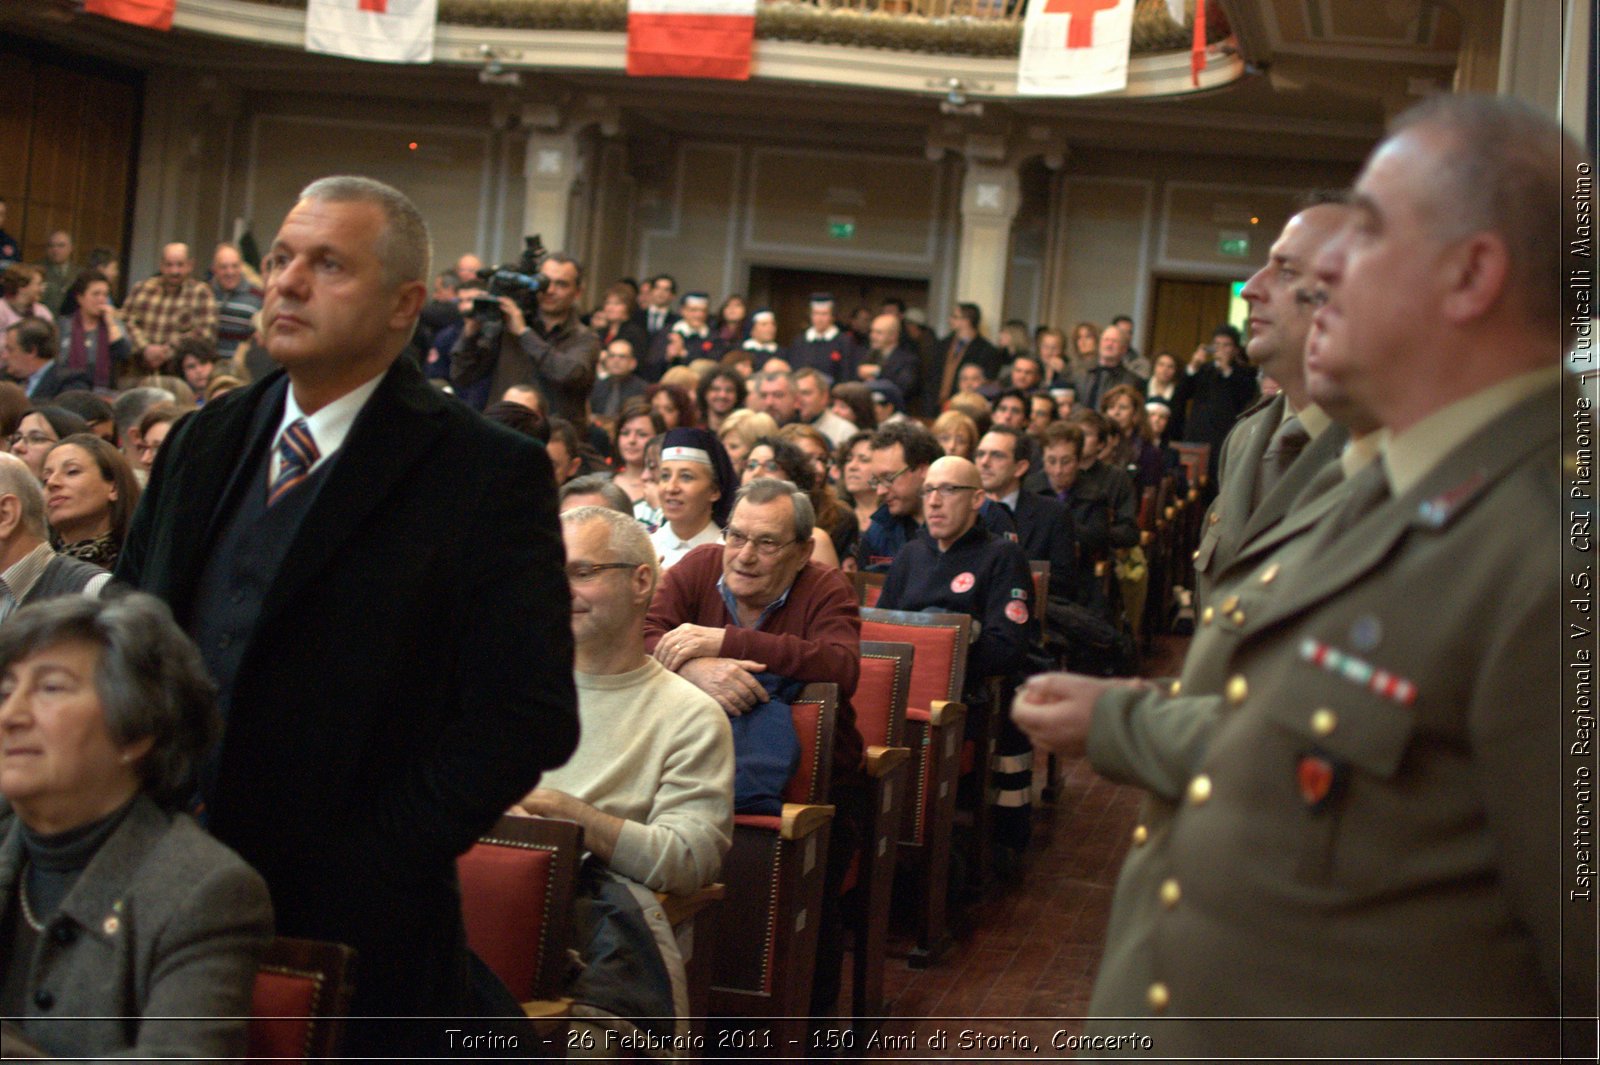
pixel 17 480
pixel 769 489
pixel 150 679
pixel 777 375
pixel 1503 170
pixel 625 537
pixel 404 249
pixel 131 406
pixel 598 484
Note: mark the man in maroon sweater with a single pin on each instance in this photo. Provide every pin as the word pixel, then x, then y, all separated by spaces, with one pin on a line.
pixel 755 604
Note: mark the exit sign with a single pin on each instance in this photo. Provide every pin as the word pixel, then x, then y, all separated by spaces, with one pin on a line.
pixel 1233 245
pixel 842 228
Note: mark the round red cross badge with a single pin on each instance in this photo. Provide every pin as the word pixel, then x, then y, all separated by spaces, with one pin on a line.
pixel 1017 611
pixel 962 582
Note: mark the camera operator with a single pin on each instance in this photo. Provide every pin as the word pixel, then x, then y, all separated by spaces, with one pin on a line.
pixel 555 352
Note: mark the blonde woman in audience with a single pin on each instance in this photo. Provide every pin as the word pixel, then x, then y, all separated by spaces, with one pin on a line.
pixel 957 433
pixel 741 429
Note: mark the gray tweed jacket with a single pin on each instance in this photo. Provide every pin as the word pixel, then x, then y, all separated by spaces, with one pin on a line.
pixel 153 952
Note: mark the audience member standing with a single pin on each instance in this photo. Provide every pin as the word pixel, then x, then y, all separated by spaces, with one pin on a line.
pixel 59 269
pixel 163 309
pixel 344 521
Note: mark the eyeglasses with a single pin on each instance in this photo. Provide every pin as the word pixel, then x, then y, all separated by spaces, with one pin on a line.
pixel 770 465
pixel 34 439
pixel 885 482
pixel 766 546
pixel 945 492
pixel 584 572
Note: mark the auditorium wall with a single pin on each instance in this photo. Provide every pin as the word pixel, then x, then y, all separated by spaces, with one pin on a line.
pixel 1088 242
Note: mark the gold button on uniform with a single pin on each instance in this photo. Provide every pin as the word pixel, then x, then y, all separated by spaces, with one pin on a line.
pixel 1200 789
pixel 1324 721
pixel 1230 603
pixel 1177 686
pixel 1140 835
pixel 1238 689
pixel 1208 615
pixel 1237 617
pixel 1170 893
pixel 1194 556
pixel 1214 518
pixel 1158 997
pixel 1270 574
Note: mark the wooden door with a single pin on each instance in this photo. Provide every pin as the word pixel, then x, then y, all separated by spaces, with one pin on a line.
pixel 72 130
pixel 1186 312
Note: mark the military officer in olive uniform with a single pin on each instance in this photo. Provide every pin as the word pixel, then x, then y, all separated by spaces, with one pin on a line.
pixel 1368 822
pixel 1279 444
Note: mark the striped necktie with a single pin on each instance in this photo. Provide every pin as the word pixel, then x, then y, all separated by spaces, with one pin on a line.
pixel 297 452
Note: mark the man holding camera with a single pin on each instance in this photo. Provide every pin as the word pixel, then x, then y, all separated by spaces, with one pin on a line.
pixel 554 353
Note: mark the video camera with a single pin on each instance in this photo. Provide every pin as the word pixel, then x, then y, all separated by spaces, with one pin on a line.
pixel 521 281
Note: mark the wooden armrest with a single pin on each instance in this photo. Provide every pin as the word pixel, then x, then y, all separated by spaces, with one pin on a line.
pixel 946 712
pixel 881 761
pixel 679 908
pixel 548 1007
pixel 802 819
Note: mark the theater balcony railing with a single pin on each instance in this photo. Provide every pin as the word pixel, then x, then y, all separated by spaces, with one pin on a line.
pixel 909 45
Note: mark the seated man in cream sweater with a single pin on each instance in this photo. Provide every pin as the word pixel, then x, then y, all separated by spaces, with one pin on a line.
pixel 652 779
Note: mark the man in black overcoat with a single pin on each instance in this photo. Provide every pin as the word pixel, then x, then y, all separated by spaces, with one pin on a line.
pixel 373 574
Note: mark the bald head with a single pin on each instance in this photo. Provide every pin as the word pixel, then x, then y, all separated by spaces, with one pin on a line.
pixel 885 333
pixel 952 469
pixel 175 264
pixel 950 499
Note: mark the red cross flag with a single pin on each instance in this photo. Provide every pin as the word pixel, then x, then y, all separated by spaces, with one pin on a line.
pixel 389 31
pixel 156 14
pixel 1075 47
pixel 691 38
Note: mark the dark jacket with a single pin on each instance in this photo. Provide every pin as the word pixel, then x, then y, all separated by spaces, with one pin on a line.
pixel 1045 529
pixel 559 363
pixel 386 708
pixel 981 575
pixel 58 379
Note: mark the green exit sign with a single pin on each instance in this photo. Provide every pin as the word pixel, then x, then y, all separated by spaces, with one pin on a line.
pixel 1233 245
pixel 842 228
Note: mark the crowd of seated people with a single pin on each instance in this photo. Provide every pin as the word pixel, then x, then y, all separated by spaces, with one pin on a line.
pixel 679 437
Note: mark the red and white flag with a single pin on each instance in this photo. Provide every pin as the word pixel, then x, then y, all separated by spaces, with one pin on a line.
pixel 156 14
pixel 1075 47
pixel 691 38
pixel 389 31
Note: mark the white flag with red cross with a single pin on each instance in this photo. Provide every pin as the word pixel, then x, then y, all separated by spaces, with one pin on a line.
pixel 389 31
pixel 1075 47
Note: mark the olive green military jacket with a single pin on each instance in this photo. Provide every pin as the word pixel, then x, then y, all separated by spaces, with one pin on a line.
pixel 1232 521
pixel 1154 738
pixel 1368 827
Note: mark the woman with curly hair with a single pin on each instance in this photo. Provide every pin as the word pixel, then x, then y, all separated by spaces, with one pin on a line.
pixel 773 456
pixel 675 405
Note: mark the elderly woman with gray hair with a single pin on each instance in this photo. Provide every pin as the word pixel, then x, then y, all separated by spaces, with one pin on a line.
pixel 125 930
